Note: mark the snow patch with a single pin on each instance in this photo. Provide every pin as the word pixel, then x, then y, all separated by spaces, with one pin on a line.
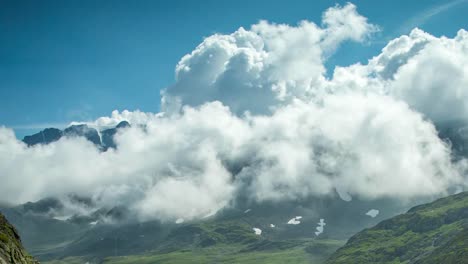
pixel 373 213
pixel 257 231
pixel 210 214
pixel 62 218
pixel 344 195
pixel 295 220
pixel 320 226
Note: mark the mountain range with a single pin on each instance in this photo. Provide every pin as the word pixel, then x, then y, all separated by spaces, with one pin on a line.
pixel 103 139
pixel 311 230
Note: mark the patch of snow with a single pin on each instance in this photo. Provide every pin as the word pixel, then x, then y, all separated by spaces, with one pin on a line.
pixel 210 214
pixel 179 221
pixel 320 226
pixel 94 223
pixel 295 220
pixel 257 231
pixel 248 210
pixel 344 195
pixel 272 226
pixel 373 213
pixel 62 218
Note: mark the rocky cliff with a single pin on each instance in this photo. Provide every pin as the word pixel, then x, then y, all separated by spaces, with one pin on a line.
pixel 11 249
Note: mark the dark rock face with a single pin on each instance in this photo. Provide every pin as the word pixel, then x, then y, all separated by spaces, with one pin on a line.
pixel 46 136
pixel 11 250
pixel 455 132
pixel 103 142
pixel 123 124
pixel 108 135
pixel 42 206
pixel 90 134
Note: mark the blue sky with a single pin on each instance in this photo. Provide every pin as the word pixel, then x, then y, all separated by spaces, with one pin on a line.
pixel 63 61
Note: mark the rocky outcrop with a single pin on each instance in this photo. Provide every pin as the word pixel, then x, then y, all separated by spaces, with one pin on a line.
pixel 11 249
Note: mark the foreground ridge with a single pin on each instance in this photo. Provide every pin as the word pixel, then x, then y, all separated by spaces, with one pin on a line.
pixel 11 249
pixel 430 233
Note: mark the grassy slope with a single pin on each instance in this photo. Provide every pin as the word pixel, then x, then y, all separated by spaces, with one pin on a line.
pixel 428 233
pixel 11 249
pixel 225 242
pixel 304 253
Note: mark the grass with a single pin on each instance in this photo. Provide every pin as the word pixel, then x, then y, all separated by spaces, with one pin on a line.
pixel 4 238
pixel 231 254
pixel 311 252
pixel 426 232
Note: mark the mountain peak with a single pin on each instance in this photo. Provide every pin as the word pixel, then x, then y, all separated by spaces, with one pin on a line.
pixel 102 139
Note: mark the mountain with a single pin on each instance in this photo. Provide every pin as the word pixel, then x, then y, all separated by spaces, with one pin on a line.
pixel 11 249
pixel 103 139
pixel 431 233
pixel 111 235
pixel 45 136
pixel 89 133
pixel 52 234
pixel 108 135
pixel 456 133
pixel 211 241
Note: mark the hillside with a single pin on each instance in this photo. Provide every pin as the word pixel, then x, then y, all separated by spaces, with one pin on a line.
pixel 49 233
pixel 11 249
pixel 431 233
pixel 221 242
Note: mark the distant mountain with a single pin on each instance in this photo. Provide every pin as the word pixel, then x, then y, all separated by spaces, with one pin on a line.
pixel 51 234
pixel 11 249
pixel 90 134
pixel 103 139
pixel 427 234
pixel 108 134
pixel 45 136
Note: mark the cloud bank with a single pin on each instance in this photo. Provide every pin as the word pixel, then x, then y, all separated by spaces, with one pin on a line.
pixel 253 114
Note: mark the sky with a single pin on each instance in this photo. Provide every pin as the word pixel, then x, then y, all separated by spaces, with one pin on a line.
pixel 63 61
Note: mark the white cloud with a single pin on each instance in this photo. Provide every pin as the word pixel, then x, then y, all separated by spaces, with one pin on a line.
pixel 365 145
pixel 426 72
pixel 343 23
pixel 362 133
pixel 269 64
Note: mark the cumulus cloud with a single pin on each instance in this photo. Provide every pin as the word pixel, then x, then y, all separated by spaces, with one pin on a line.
pixel 428 73
pixel 184 166
pixel 268 65
pixel 251 114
